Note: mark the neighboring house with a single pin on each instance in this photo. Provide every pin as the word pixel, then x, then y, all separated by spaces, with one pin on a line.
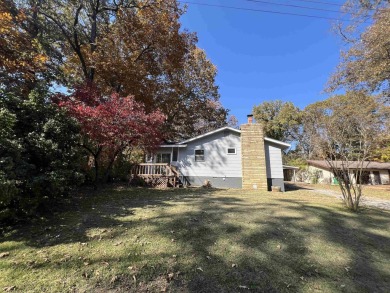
pixel 290 173
pixel 374 173
pixel 228 158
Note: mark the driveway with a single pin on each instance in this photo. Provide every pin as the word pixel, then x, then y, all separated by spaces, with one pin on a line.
pixel 365 200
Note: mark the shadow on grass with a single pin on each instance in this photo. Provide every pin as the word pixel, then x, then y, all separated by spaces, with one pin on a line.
pixel 289 186
pixel 231 241
pixel 275 254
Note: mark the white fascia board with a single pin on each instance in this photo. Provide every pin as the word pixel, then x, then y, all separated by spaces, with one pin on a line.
pixel 278 142
pixel 210 133
pixel 173 146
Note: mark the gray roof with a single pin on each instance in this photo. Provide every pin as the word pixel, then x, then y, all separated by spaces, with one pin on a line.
pixel 284 145
pixel 350 165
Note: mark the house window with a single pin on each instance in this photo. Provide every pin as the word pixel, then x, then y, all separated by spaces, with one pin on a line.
pixel 163 158
pixel 231 151
pixel 199 155
pixel 174 154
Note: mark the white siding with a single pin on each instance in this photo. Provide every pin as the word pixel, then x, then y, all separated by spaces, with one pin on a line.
pixel 325 176
pixel 384 176
pixel 217 162
pixel 273 156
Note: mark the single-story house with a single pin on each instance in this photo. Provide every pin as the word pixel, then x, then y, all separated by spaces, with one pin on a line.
pixel 227 158
pixel 374 173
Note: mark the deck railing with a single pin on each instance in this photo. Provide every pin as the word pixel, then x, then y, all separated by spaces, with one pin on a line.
pixel 153 169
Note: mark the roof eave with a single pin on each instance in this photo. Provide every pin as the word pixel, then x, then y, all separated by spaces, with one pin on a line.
pixel 210 133
pixel 281 143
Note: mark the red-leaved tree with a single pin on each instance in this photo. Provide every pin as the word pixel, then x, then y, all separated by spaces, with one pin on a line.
pixel 111 124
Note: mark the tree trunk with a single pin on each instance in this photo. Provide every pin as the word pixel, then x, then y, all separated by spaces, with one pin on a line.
pixel 96 172
pixel 110 165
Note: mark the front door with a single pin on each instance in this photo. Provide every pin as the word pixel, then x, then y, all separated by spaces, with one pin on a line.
pixel 163 158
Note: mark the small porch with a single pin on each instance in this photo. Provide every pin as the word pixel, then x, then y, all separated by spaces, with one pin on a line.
pixel 158 175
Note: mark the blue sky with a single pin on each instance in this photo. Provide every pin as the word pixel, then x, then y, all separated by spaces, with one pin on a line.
pixel 261 56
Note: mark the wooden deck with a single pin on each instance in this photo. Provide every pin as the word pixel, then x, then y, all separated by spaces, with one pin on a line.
pixel 157 175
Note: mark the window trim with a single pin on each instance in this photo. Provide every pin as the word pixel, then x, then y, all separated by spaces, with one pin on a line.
pixel 199 155
pixel 235 151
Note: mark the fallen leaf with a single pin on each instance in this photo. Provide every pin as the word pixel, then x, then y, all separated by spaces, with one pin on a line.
pixel 170 277
pixel 4 254
pixel 114 279
pixel 86 263
pixel 9 289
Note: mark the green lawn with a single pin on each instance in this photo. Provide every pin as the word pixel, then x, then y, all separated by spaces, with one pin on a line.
pixel 196 240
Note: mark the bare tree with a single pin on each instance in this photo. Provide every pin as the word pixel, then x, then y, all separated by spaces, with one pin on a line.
pixel 345 133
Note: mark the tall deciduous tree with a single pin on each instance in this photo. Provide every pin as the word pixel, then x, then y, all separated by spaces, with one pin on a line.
pixel 233 122
pixel 346 129
pixel 366 63
pixel 21 58
pixel 281 119
pixel 190 98
pixel 110 124
pixel 133 48
pixel 38 142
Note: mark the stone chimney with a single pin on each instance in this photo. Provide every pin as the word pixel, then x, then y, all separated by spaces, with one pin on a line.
pixel 254 173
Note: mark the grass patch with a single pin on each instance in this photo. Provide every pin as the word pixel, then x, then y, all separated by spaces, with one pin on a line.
pixel 196 240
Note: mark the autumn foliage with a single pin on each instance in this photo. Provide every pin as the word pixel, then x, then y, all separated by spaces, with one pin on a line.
pixel 20 56
pixel 112 123
pixel 135 48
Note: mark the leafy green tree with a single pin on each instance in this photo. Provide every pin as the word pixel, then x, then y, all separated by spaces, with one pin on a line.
pixel 281 120
pixel 38 154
